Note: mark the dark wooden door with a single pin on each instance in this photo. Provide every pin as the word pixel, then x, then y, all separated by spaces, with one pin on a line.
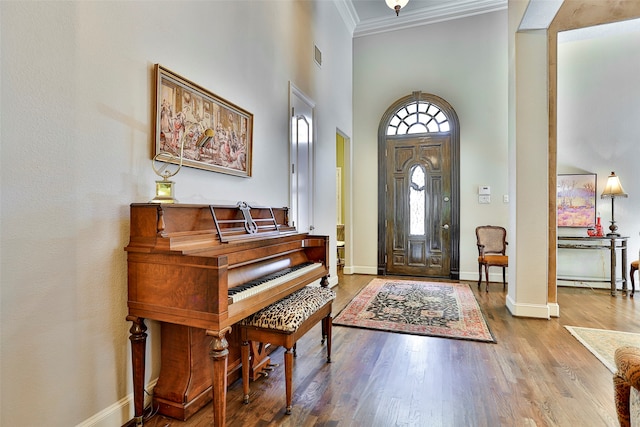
pixel 418 205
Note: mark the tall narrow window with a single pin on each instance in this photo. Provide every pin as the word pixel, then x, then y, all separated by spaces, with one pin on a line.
pixel 417 201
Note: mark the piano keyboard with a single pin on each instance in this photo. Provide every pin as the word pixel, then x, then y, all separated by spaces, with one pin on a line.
pixel 261 284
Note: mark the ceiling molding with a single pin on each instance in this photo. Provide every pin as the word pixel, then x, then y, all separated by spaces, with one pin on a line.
pixel 348 14
pixel 440 12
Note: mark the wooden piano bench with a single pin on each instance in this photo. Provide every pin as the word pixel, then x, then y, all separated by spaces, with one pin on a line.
pixel 282 324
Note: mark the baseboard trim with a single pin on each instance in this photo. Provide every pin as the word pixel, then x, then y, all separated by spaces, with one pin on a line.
pixel 538 311
pixel 360 270
pixel 554 309
pixel 120 414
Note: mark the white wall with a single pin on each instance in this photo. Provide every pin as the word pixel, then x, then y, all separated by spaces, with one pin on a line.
pixel 598 128
pixel 466 64
pixel 76 120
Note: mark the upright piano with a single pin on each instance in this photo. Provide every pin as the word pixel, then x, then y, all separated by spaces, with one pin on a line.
pixel 199 269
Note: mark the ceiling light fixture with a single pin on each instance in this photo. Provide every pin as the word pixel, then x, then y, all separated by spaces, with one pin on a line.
pixel 396 5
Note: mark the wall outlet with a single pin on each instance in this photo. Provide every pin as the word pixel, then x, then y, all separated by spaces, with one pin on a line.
pixel 505 198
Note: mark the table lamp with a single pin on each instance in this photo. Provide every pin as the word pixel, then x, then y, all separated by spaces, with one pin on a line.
pixel 613 189
pixel 165 192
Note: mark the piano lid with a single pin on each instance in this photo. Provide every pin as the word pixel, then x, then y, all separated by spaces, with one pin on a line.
pixel 182 226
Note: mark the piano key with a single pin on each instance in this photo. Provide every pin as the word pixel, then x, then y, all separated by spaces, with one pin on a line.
pixel 266 278
pixel 250 288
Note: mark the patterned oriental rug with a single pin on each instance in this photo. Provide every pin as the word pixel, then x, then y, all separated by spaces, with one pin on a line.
pixel 447 310
pixel 603 343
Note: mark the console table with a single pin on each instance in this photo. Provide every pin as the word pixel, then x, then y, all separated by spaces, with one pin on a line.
pixel 601 243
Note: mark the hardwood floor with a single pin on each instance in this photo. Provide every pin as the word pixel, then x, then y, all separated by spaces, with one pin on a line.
pixel 536 375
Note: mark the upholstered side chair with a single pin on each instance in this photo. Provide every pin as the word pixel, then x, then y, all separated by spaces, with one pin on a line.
pixel 626 384
pixel 492 252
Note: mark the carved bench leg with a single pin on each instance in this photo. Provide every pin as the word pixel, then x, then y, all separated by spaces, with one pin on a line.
pixel 288 378
pixel 244 351
pixel 327 323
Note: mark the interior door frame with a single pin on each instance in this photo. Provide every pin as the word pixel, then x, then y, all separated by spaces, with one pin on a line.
pixel 297 97
pixel 448 110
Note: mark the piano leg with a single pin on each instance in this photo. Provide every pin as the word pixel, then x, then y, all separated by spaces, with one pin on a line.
pixel 219 354
pixel 138 340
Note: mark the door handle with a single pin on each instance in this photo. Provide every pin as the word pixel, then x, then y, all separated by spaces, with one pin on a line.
pixel 446 226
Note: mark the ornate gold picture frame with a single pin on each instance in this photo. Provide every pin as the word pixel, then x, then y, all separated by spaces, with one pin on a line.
pixel 184 111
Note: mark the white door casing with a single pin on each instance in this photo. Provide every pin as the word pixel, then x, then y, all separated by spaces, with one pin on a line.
pixel 301 154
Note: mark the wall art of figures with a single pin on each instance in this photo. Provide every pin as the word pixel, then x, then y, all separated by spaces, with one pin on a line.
pixel 184 111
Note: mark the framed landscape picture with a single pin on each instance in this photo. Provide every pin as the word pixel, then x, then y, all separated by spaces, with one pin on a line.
pixel 576 200
pixel 184 111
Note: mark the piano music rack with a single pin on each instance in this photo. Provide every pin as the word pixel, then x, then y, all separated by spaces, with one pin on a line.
pixel 243 224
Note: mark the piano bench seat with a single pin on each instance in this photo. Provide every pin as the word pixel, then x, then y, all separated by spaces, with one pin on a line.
pixel 282 324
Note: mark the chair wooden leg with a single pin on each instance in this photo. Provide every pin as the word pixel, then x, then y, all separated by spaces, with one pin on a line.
pixel 504 278
pixel 633 283
pixel 479 275
pixel 486 276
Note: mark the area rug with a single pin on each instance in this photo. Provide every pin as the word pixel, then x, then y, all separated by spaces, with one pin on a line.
pixel 447 310
pixel 603 343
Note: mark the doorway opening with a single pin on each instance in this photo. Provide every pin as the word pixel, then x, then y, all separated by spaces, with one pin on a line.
pixel 301 153
pixel 342 197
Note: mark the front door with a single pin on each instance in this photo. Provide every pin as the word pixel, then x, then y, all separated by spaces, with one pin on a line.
pixel 418 206
pixel 419 218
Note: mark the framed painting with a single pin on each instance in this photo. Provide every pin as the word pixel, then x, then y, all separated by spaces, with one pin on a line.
pixel 184 111
pixel 576 200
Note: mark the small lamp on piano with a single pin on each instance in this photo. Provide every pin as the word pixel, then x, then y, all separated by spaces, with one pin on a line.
pixel 613 189
pixel 165 192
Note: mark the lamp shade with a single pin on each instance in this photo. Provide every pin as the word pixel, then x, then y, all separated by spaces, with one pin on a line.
pixel 613 187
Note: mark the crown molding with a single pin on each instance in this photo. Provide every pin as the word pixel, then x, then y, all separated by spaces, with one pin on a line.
pixel 348 14
pixel 439 12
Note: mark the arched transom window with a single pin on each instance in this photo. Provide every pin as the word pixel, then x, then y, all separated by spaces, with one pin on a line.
pixel 418 117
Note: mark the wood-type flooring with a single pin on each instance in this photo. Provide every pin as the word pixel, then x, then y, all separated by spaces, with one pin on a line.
pixel 536 375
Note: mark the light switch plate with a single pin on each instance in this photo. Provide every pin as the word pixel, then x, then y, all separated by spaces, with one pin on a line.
pixel 484 199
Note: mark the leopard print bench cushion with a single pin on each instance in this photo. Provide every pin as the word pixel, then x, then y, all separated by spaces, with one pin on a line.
pixel 290 312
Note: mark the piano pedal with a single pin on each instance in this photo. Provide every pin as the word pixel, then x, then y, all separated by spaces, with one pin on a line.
pixel 263 374
pixel 271 366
